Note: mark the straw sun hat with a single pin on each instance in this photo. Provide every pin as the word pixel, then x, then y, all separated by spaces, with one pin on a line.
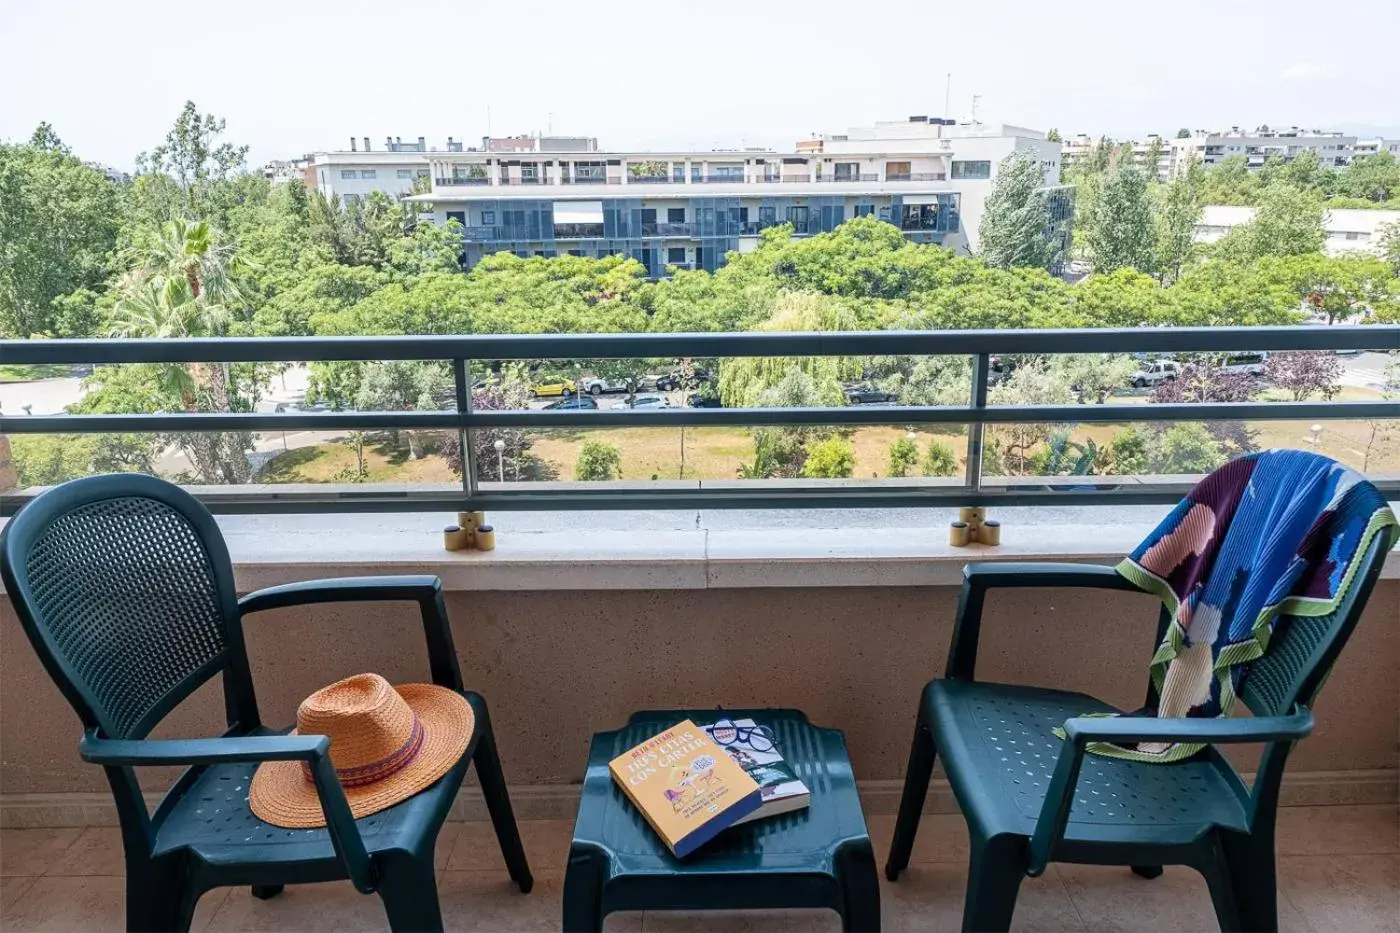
pixel 387 744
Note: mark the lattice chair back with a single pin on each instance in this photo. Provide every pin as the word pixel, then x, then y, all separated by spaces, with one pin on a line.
pixel 124 586
pixel 1302 649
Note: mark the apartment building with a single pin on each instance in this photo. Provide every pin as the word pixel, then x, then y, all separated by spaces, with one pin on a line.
pixel 1153 156
pixel 1334 150
pixel 1365 147
pixel 689 209
pixel 1348 230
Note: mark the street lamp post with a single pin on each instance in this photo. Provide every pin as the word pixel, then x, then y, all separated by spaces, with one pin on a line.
pixel 500 446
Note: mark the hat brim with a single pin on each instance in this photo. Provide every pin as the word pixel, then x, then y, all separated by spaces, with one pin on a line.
pixel 280 793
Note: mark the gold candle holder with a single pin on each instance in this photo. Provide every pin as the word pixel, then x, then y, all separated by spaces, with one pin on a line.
pixel 974 515
pixel 989 534
pixel 485 538
pixel 456 538
pixel 471 520
pixel 959 534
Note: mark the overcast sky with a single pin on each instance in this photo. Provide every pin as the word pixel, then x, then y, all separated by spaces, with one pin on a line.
pixel 296 77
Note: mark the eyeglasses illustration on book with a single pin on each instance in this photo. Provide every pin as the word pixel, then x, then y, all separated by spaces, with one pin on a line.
pixel 726 732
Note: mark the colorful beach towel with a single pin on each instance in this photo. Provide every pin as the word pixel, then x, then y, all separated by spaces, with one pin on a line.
pixel 1278 532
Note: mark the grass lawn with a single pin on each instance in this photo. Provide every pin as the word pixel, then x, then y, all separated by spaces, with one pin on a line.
pixel 717 452
pixel 28 372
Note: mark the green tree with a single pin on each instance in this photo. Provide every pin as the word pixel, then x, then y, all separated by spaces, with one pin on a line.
pixel 1120 232
pixel 1015 228
pixel 1183 133
pixel 1390 245
pixel 831 458
pixel 404 385
pixel 1287 223
pixel 1373 177
pixel 598 462
pixel 904 457
pixel 58 225
pixel 940 460
pixel 193 155
pixel 1093 377
pixel 183 284
pixel 1179 208
pixel 1053 135
pixel 1186 447
pixel 1033 383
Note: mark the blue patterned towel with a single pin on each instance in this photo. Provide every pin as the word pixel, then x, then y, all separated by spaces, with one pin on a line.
pixel 1269 533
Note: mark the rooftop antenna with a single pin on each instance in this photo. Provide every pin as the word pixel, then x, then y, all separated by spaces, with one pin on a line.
pixel 947 94
pixel 488 120
pixel 975 99
pixel 550 124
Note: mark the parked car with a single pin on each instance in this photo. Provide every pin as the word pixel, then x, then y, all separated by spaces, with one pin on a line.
pixel 576 401
pixel 564 387
pixel 700 400
pixel 597 385
pixel 1251 364
pixel 1156 371
pixel 673 380
pixel 868 395
pixel 650 402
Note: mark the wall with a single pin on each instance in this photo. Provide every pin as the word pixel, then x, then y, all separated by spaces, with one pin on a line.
pixel 556 666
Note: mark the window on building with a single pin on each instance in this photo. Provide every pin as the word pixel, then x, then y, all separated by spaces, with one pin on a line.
pixel 675 215
pixel 349 173
pixel 897 171
pixel 420 173
pixel 488 218
pixel 547 253
pixel 864 210
pixel 404 173
pixel 459 216
pixel 675 255
pixel 977 168
pixel 678 172
pixel 351 200
pixel 575 252
pixel 368 173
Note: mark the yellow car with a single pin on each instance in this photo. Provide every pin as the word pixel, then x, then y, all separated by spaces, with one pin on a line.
pixel 564 387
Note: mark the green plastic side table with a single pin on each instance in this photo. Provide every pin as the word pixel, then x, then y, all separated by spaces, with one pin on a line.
pixel 816 857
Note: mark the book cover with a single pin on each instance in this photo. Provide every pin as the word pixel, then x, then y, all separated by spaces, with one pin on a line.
pixel 686 786
pixel 779 786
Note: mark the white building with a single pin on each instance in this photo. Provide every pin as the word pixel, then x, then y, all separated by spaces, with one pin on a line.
pixel 688 209
pixel 1348 230
pixel 1334 150
pixel 1154 156
pixel 1365 147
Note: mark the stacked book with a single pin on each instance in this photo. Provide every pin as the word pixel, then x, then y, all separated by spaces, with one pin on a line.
pixel 692 782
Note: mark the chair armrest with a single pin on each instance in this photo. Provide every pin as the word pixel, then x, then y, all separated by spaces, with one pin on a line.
pixel 312 749
pixel 979 578
pixel 1080 731
pixel 424 589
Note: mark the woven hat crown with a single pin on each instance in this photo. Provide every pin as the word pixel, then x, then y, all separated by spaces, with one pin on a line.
pixel 365 718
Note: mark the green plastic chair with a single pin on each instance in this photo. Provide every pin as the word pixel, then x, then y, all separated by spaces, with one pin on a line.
pixel 124 587
pixel 1030 798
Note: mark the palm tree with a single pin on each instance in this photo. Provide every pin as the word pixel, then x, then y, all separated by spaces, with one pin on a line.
pixel 183 284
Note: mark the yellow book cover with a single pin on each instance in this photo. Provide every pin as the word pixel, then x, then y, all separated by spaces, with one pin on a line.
pixel 686 786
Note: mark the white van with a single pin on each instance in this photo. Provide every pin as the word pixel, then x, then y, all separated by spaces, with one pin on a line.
pixel 1154 372
pixel 1251 364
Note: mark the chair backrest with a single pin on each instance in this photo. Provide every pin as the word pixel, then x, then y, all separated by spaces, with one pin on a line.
pixel 1302 649
pixel 124 587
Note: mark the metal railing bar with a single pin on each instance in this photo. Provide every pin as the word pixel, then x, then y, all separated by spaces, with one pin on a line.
pixel 981 368
pixel 462 381
pixel 633 346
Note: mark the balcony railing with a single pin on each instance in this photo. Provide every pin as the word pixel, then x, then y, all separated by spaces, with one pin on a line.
pixel 589 180
pixel 864 176
pixel 650 180
pixel 467 180
pixel 465 353
pixel 916 176
pixel 720 179
pixel 669 229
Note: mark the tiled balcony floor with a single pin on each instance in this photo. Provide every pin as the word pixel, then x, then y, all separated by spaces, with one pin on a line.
pixel 1339 869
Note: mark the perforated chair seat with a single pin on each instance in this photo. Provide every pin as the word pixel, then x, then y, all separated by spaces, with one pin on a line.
pixel 999 743
pixel 212 822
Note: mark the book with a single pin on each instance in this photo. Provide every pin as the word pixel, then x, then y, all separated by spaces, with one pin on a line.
pixel 686 787
pixel 781 789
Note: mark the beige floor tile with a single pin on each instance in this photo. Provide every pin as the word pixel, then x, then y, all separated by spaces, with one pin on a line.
pixel 741 921
pixel 309 908
pixel 546 846
pixel 1112 898
pixel 33 851
pixel 90 903
pixel 929 896
pixel 98 851
pixel 447 839
pixel 942 837
pixel 1343 892
pixel 483 901
pixel 1351 830
pixel 11 888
